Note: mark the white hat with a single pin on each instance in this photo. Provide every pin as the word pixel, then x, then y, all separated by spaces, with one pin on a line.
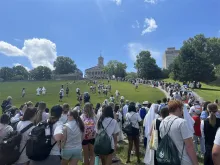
pixel 145 102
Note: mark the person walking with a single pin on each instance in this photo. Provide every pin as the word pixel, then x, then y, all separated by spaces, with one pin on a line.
pixel 178 130
pixel 73 131
pixel 209 128
pixel 109 124
pixel 89 121
pixel 133 138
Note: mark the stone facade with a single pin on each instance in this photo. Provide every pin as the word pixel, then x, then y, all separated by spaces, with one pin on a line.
pixel 96 72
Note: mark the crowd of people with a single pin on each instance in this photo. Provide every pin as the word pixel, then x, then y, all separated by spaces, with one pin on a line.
pixel 176 130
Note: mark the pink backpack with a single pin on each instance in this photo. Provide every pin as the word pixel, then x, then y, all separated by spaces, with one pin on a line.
pixel 89 128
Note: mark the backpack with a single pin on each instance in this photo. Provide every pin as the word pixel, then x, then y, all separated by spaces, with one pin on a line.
pixel 39 145
pixel 167 152
pixel 102 145
pixel 128 127
pixel 143 113
pixel 10 146
pixel 4 105
pixel 89 128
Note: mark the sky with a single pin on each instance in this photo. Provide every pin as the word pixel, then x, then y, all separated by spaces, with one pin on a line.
pixel 35 32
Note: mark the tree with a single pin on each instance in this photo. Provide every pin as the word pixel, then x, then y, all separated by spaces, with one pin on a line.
pixel 193 63
pixel 41 73
pixel 6 73
pixel 116 68
pixel 213 50
pixel 131 75
pixel 20 73
pixel 64 65
pixel 165 73
pixel 146 66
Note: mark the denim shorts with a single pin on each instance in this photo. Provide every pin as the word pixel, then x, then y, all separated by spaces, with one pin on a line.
pixel 69 154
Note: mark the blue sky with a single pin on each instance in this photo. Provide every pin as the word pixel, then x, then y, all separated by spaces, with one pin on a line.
pixel 35 32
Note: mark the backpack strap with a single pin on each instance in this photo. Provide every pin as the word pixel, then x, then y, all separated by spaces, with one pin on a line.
pixel 171 125
pixel 23 131
pixel 107 125
pixel 26 128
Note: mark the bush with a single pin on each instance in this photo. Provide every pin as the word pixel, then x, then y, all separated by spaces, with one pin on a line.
pixel 17 77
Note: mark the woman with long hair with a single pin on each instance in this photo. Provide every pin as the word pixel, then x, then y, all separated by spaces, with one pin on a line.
pixel 27 122
pixel 71 143
pixel 64 117
pixel 41 113
pixel 89 136
pixel 57 132
pixel 109 124
pixel 133 118
pixel 119 120
pixel 98 105
pixel 209 128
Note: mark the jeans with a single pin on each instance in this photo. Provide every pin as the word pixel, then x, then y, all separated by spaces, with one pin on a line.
pixel 196 140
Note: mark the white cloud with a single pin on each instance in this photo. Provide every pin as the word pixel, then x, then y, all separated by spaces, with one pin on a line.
pixel 136 25
pixel 150 25
pixel 151 1
pixel 38 51
pixel 135 48
pixel 118 2
pixel 17 64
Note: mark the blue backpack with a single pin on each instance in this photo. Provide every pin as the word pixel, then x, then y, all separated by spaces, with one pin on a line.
pixel 143 113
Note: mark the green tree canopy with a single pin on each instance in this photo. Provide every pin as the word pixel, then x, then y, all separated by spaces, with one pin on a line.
pixel 6 73
pixel 20 71
pixel 64 65
pixel 131 75
pixel 146 66
pixel 116 68
pixel 41 73
pixel 194 63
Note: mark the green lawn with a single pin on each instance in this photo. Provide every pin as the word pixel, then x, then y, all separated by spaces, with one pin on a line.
pixel 144 93
pixel 207 92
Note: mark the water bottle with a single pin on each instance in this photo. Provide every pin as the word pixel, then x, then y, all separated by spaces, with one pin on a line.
pixel 97 160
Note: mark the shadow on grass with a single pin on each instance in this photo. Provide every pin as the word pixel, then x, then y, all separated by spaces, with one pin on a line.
pixel 209 89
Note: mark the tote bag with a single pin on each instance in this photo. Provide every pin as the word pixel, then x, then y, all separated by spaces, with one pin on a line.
pixel 154 137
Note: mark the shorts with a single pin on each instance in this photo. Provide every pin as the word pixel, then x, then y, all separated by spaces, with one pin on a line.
pixel 69 154
pixel 78 93
pixel 135 132
pixel 61 97
pixel 90 141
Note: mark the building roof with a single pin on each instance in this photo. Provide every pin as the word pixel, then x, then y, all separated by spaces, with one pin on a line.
pixel 94 68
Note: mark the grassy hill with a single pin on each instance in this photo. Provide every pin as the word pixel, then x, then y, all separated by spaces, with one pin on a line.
pixel 52 96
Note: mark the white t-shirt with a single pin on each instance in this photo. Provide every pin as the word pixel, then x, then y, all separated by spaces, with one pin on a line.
pixel 62 91
pixel 77 89
pixel 25 136
pixel 57 129
pixel 63 118
pixel 179 131
pixel 45 116
pixel 112 128
pixel 134 118
pixel 125 110
pixel 74 136
pixel 217 138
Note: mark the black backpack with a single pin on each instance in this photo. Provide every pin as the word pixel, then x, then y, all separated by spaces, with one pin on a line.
pixel 102 145
pixel 39 145
pixel 10 147
pixel 128 127
pixel 167 152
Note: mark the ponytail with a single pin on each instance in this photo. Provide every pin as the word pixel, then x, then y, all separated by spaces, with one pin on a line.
pixel 212 108
pixel 212 119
